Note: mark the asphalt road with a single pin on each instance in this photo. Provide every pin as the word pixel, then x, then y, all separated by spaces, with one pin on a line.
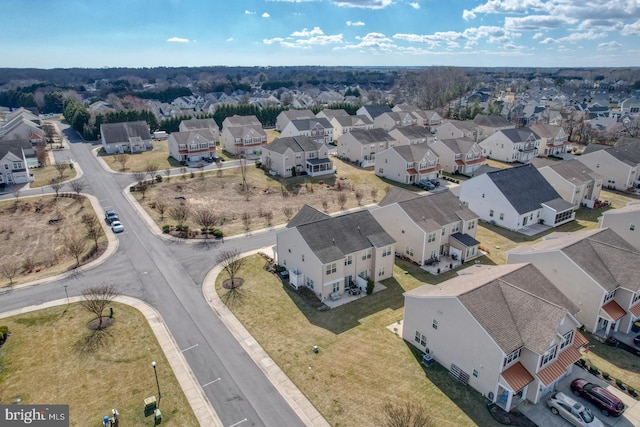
pixel 168 276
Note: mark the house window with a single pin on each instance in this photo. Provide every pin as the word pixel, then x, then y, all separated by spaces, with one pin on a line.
pixel 348 260
pixel 491 212
pixel 566 339
pixel 336 287
pixel 380 170
pixel 548 355
pixel 475 373
pixel 309 283
pixel 434 324
pixel 402 230
pixel 501 216
pixel 431 238
pixel 609 296
pixel 471 225
pixel 636 296
pixel 381 271
pixel 511 357
pixel 444 231
pixel 420 339
pixel 483 195
pixel 632 227
pixel 302 257
pixel 386 251
pixel 6 166
pixel 331 268
pixel 409 251
pixel 366 254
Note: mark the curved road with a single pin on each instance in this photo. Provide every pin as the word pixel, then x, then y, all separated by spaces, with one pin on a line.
pixel 168 276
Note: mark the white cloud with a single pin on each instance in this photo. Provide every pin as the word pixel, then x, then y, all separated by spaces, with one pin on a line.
pixel 364 4
pixel 306 33
pixel 549 40
pixel 631 29
pixel 537 22
pixel 248 12
pixel 177 40
pixel 576 37
pixel 230 39
pixel 372 40
pixel 468 15
pixel 538 36
pixel 273 40
pixel 415 5
pixel 265 15
pixel 609 45
pixel 470 36
pixel 306 38
pixel 355 23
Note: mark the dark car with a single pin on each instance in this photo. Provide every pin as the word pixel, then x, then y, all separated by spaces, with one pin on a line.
pixel 608 402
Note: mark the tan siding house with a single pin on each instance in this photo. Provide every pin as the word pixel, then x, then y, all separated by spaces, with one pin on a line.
pixel 296 155
pixel 407 164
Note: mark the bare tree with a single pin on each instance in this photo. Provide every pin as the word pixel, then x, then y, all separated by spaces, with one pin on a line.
pixel 77 186
pixel 16 194
pixel 183 172
pixel 41 153
pixel 121 158
pixel 205 218
pixel 61 167
pixel 342 200
pixel 142 188
pixel 50 133
pixel 219 172
pixel 56 187
pixel 243 171
pixel 96 299
pixel 246 220
pixel 139 177
pixel 75 245
pixel 407 415
pixel 231 262
pixel 167 173
pixel 288 212
pixel 93 227
pixel 10 269
pixel 374 194
pixel 161 207
pixel 325 205
pixel 151 169
pixel 359 195
pixel 180 214
pixel 269 217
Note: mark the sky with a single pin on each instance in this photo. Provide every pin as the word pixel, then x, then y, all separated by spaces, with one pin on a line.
pixel 151 33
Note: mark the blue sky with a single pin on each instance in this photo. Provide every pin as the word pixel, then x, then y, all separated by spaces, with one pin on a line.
pixel 150 33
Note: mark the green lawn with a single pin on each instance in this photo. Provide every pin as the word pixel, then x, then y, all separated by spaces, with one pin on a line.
pixel 51 357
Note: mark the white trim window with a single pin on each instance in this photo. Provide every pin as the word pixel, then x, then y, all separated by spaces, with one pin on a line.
pixel 510 358
pixel 548 355
pixel 331 268
pixel 566 339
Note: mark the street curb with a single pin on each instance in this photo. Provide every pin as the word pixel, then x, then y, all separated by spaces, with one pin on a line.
pixel 192 390
pixel 287 389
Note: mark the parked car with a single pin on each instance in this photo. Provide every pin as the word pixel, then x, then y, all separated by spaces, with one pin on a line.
pixel 561 404
pixel 426 184
pixel 117 227
pixel 110 215
pixel 608 402
pixel 435 182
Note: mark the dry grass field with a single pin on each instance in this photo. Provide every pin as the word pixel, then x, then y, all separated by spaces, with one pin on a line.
pixel 46 175
pixel 268 199
pixel 35 248
pixel 52 357
pixel 361 365
pixel 137 162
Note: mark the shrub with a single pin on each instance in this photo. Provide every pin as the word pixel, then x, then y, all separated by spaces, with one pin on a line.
pixel 594 370
pixel 217 233
pixel 632 391
pixel 582 363
pixel 158 178
pixel 605 375
pixel 619 383
pixel 370 286
pixel 166 228
pixel 4 333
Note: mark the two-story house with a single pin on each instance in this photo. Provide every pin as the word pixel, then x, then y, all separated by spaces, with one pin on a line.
pixel 489 124
pixel 328 113
pixel 505 330
pixel 198 124
pixel 373 111
pixel 296 155
pixel 192 146
pixel 575 182
pixel 286 116
pixel 596 269
pixel 511 145
pixel 553 138
pixel 514 198
pixel 361 146
pixel 15 156
pixel 126 137
pixel 243 136
pixel 394 119
pixel 625 222
pixel 447 130
pixel 22 124
pixel 458 156
pixel 330 255
pixel 345 124
pixel 407 164
pixel 427 118
pixel 429 226
pixel 411 135
pixel 318 129
pixel 618 165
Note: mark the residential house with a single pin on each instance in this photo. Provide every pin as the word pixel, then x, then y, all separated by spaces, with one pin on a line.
pixel 458 156
pixel 511 145
pixel 630 106
pixel 329 114
pixel 625 222
pixel 244 141
pixel 123 137
pixel 198 124
pixel 392 119
pixel 411 135
pixel 596 269
pixel 295 155
pixel 505 330
pixel 235 120
pixel 286 116
pixel 345 124
pixel 575 182
pixel 361 145
pixel 330 255
pixel 514 198
pixel 407 164
pixel 193 145
pixel 427 118
pixel 553 139
pixel 373 111
pixel 448 130
pixel 22 124
pixel 15 159
pixel 318 129
pixel 429 226
pixel 618 165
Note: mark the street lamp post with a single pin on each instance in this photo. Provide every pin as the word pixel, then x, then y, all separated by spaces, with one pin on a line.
pixel 157 382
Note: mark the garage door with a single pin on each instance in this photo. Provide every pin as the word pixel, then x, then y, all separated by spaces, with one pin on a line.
pixel 195 158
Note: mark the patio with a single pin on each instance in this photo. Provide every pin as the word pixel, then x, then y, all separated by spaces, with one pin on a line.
pixel 346 298
pixel 443 264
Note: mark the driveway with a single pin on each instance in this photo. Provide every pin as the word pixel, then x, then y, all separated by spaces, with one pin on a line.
pixel 542 416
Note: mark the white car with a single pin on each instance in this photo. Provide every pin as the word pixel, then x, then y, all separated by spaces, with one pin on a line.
pixel 561 404
pixel 117 227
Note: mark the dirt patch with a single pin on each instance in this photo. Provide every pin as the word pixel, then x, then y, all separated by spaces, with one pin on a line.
pixel 94 325
pixel 232 284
